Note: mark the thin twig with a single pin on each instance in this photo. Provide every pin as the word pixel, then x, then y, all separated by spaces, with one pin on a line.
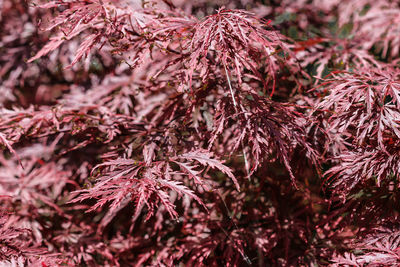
pixel 246 162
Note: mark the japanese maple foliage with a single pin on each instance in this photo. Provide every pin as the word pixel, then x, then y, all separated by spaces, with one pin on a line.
pixel 193 133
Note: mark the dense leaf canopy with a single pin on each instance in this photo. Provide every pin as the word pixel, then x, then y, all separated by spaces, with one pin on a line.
pixel 195 133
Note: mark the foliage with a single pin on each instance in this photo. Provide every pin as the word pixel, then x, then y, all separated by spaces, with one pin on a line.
pixel 185 133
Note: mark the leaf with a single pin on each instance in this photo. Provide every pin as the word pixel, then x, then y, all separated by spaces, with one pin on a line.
pixel 182 190
pixel 85 47
pixel 187 168
pixel 205 158
pixel 6 143
pixel 54 43
pixel 149 153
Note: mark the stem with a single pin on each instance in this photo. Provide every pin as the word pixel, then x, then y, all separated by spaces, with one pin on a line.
pixel 230 88
pixel 246 162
